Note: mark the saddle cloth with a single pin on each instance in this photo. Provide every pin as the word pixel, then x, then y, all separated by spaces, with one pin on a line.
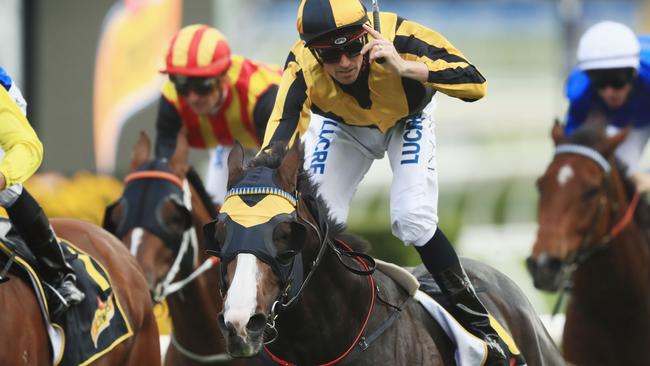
pixel 470 350
pixel 86 331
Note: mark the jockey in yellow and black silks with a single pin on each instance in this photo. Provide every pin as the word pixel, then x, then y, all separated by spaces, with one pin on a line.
pixel 23 153
pixel 214 98
pixel 351 109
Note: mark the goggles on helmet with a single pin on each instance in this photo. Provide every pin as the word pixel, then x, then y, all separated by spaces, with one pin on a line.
pixel 614 78
pixel 200 85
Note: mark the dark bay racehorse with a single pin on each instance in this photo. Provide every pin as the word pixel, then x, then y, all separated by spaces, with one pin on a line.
pixel 162 204
pixel 593 233
pixel 314 299
pixel 24 340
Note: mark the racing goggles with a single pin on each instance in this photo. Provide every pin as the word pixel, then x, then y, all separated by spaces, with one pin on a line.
pixel 200 85
pixel 331 52
pixel 614 78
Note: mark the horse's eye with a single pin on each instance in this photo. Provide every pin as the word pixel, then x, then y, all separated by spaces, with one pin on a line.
pixel 590 193
pixel 285 257
pixel 282 233
pixel 175 220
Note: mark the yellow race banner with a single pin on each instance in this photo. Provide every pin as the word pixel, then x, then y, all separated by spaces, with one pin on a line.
pixel 133 41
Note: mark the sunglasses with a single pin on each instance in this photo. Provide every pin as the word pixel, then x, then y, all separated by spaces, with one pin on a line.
pixel 332 55
pixel 616 78
pixel 613 83
pixel 201 86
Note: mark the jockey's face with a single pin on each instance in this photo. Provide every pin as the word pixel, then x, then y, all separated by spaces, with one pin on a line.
pixel 346 70
pixel 613 85
pixel 615 97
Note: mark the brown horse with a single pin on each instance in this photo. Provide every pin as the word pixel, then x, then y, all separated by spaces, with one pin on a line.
pixel 593 235
pixel 162 204
pixel 295 294
pixel 24 340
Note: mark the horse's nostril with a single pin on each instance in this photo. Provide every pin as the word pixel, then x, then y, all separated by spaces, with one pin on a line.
pixel 226 328
pixel 531 264
pixel 256 323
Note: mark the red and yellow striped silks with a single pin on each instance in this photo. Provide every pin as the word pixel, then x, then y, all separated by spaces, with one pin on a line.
pixel 247 80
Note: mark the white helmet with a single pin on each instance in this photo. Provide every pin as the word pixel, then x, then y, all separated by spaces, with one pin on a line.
pixel 608 45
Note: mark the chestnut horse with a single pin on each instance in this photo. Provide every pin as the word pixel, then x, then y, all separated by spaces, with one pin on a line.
pixel 24 339
pixel 296 294
pixel 593 238
pixel 156 219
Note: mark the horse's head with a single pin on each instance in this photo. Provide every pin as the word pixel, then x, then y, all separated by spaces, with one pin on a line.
pixel 152 217
pixel 268 238
pixel 575 199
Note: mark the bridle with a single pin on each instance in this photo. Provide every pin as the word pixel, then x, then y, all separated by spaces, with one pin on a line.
pixel 590 246
pixel 188 244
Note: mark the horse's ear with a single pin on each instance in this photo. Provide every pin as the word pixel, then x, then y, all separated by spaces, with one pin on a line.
pixel 235 163
pixel 178 161
pixel 141 151
pixel 290 166
pixel 557 132
pixel 614 141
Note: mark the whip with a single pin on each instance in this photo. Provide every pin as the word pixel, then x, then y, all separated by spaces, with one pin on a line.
pixel 376 25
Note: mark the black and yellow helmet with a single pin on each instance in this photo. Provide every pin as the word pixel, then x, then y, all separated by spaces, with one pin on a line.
pixel 317 18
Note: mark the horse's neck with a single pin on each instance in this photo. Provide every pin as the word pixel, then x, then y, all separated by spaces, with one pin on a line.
pixel 194 308
pixel 334 304
pixel 622 269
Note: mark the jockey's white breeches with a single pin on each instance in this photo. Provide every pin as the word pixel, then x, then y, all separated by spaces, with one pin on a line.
pixel 630 150
pixel 339 155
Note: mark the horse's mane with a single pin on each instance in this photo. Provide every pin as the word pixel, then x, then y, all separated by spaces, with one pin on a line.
pixel 273 158
pixel 592 134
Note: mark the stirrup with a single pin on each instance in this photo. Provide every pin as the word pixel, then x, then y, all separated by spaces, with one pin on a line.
pixel 498 353
pixel 66 294
pixel 3 274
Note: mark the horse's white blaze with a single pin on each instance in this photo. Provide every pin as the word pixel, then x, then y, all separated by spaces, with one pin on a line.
pixel 136 240
pixel 241 300
pixel 564 174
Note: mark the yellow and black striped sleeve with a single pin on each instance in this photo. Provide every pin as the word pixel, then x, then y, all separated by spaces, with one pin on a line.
pixel 288 115
pixel 449 70
pixel 23 150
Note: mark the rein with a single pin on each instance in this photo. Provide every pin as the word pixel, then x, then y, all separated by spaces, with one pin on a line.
pixel 215 358
pixel 356 343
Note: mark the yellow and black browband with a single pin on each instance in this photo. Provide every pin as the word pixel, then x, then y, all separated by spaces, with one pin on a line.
pixel 244 191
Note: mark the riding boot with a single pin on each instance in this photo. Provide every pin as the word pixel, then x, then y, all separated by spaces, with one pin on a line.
pixel 440 258
pixel 29 220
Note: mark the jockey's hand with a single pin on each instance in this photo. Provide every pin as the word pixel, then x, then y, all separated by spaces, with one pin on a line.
pixel 381 47
pixel 641 181
pixel 3 182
